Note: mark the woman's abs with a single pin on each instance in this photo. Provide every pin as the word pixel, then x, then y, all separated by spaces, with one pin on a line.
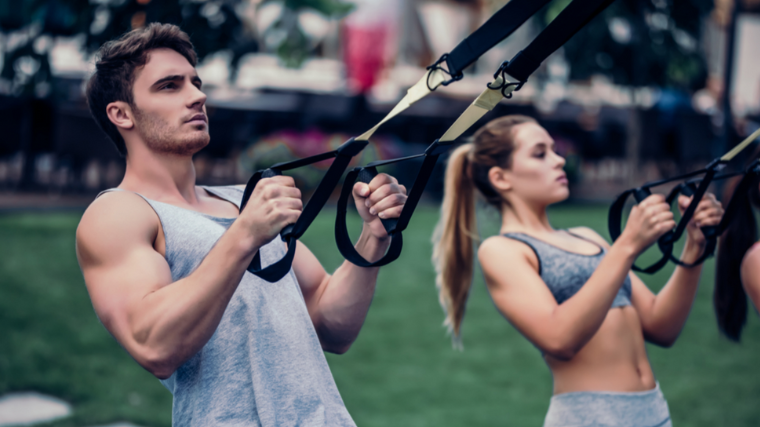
pixel 613 360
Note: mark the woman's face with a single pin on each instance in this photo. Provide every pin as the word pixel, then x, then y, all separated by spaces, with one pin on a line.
pixel 536 174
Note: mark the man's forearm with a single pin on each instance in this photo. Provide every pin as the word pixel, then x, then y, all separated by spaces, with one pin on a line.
pixel 344 304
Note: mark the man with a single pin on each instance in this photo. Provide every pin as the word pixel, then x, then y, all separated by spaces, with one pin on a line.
pixel 165 260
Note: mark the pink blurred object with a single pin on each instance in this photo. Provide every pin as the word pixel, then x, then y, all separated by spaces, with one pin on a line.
pixel 364 52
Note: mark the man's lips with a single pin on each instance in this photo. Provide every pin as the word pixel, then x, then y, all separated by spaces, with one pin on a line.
pixel 198 118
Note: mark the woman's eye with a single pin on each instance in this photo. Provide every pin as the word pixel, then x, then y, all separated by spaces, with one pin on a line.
pixel 540 154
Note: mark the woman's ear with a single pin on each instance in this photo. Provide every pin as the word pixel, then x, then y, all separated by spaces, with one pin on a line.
pixel 120 114
pixel 499 179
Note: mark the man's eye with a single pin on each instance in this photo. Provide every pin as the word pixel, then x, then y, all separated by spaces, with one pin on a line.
pixel 169 86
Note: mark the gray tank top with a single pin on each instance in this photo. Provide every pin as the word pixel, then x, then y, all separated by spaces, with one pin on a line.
pixel 566 272
pixel 264 365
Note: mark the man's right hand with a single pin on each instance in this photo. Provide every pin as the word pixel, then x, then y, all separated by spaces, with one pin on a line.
pixel 274 204
pixel 648 220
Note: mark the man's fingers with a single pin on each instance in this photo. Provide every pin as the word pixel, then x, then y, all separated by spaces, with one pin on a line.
pixel 393 212
pixel 380 180
pixel 361 189
pixel 393 200
pixel 385 191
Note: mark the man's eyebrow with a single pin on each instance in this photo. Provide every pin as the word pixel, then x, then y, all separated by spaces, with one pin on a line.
pixel 176 77
pixel 172 78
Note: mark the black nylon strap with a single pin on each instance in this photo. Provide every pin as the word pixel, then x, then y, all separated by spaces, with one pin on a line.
pixel 498 27
pixel 666 241
pixel 614 225
pixel 394 227
pixel 292 232
pixel 575 15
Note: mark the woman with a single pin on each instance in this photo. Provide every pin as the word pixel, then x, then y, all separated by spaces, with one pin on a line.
pixel 567 291
pixel 738 262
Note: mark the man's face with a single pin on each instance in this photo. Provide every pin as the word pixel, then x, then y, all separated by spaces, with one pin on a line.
pixel 169 107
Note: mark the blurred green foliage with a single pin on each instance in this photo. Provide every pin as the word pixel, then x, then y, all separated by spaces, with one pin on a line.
pixel 641 42
pixel 30 25
pixel 402 369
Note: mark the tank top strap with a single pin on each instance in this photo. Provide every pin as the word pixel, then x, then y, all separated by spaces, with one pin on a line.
pixel 530 242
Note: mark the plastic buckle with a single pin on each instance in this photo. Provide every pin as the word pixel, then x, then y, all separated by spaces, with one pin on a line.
pixel 437 66
pixel 502 71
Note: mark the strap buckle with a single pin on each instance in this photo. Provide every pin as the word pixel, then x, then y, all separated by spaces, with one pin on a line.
pixel 502 72
pixel 437 66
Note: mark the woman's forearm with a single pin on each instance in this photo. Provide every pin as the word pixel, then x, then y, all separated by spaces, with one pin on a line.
pixel 671 306
pixel 578 318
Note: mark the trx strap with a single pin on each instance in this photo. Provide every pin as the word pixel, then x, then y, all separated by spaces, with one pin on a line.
pixel 564 26
pixel 498 27
pixel 342 155
pixel 666 241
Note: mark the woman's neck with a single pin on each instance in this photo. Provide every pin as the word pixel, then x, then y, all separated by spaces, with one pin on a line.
pixel 520 216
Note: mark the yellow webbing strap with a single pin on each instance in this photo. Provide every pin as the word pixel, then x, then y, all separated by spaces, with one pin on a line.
pixel 736 150
pixel 484 103
pixel 420 90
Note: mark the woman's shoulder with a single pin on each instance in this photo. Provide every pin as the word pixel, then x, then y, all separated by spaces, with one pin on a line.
pixel 501 250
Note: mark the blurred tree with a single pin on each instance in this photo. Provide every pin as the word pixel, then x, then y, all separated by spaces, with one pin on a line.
pixel 286 35
pixel 641 42
pixel 28 27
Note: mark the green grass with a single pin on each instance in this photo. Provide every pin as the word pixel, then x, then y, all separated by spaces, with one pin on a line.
pixel 402 369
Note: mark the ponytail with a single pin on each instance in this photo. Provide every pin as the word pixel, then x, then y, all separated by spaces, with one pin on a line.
pixel 729 298
pixel 455 235
pixel 453 240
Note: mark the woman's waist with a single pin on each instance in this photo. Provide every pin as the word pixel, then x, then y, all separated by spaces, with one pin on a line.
pixel 613 359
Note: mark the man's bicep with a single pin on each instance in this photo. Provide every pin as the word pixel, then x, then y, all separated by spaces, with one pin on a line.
pixel 118 261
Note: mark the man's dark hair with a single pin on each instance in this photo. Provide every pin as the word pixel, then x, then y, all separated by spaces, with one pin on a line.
pixel 115 69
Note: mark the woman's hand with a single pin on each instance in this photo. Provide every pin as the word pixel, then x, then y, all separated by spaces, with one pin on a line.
pixel 648 220
pixel 708 212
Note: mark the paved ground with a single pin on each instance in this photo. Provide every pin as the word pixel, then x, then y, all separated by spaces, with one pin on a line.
pixel 31 408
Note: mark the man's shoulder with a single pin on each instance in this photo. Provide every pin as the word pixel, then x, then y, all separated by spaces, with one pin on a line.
pixel 116 213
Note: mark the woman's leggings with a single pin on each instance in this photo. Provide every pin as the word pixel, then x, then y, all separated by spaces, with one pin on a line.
pixel 606 408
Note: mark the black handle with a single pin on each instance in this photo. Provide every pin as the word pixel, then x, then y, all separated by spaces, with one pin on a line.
pixel 258 176
pixel 641 193
pixel 366 175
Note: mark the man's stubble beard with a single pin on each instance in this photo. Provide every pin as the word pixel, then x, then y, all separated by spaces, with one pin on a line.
pixel 160 137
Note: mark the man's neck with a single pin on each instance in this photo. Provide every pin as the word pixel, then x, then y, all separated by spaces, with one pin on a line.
pixel 160 176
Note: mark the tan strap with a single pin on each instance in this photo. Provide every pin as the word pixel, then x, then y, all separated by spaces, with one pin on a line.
pixel 484 103
pixel 738 149
pixel 432 79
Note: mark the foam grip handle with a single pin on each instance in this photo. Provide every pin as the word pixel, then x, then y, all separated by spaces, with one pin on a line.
pixel 366 175
pixel 641 193
pixel 689 189
pixel 268 173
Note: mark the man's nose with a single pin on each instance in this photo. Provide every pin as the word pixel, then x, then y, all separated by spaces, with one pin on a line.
pixel 197 98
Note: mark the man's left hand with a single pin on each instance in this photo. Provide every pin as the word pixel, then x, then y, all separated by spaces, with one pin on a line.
pixel 382 198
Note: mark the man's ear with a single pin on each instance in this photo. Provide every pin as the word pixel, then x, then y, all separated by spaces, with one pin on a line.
pixel 120 114
pixel 499 179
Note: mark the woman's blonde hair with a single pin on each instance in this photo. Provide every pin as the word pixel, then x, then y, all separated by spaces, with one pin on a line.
pixel 453 240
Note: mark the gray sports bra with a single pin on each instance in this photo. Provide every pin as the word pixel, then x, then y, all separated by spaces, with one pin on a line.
pixel 565 272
